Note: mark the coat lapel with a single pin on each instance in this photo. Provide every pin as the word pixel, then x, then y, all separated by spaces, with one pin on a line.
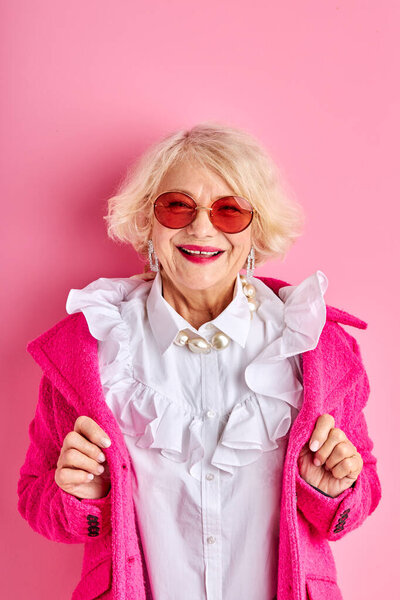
pixel 67 354
pixel 330 370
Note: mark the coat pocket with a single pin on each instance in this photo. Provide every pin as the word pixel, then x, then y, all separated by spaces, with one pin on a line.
pixel 322 589
pixel 96 582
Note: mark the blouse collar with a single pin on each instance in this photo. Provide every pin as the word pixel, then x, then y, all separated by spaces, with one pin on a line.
pixel 166 323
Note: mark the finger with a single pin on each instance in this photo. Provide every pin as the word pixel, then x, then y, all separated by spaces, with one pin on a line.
pixel 321 431
pixel 341 451
pixel 73 439
pixel 92 431
pixel 74 459
pixel 106 474
pixel 69 478
pixel 335 437
pixel 348 467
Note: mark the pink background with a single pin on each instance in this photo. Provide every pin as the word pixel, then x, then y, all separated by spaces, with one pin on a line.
pixel 88 85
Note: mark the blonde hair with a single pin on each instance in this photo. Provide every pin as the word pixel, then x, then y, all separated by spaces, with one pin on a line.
pixel 234 155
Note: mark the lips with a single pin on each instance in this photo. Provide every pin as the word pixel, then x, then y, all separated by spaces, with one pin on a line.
pixel 200 254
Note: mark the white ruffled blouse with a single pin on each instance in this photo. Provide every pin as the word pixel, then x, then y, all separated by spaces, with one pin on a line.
pixel 206 433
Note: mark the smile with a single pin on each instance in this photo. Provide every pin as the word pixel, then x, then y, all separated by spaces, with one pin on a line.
pixel 198 254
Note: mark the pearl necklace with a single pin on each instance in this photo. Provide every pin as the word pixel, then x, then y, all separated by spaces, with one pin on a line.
pixel 219 341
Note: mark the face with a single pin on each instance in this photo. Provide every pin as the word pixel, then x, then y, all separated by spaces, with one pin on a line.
pixel 192 272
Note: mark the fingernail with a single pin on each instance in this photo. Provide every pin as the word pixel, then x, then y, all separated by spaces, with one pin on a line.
pixel 314 446
pixel 100 469
pixel 101 457
pixel 90 476
pixel 106 442
pixel 317 462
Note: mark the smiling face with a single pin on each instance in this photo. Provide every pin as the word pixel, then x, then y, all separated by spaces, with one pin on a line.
pixel 193 272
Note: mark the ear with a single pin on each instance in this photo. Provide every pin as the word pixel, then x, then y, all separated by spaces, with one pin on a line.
pixel 143 221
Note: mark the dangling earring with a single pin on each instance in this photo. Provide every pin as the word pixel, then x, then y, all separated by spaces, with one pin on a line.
pixel 250 263
pixel 153 260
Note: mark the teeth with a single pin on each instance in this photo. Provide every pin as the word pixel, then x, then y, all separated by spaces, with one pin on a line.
pixel 200 252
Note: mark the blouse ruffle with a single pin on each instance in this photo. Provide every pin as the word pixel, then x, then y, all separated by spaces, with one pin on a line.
pixel 254 424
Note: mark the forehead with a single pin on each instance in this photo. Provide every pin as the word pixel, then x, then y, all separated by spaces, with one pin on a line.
pixel 194 179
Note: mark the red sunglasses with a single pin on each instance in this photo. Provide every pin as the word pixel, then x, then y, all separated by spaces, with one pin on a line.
pixel 230 214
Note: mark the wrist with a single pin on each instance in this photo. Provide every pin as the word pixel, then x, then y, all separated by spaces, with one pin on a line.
pixel 321 492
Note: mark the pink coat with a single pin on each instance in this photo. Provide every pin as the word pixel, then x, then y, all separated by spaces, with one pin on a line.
pixel 335 382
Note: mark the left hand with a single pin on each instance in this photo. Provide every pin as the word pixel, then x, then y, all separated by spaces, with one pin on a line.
pixel 340 463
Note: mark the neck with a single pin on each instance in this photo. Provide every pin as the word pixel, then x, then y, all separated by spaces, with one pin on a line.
pixel 197 306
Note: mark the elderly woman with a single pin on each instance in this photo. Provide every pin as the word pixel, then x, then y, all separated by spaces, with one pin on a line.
pixel 199 430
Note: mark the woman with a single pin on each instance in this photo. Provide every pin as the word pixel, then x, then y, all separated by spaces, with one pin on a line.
pixel 226 409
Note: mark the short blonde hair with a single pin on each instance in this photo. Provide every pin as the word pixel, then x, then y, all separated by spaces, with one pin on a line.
pixel 234 155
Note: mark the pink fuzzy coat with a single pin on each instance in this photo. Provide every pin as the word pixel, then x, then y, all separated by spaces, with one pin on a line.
pixel 334 381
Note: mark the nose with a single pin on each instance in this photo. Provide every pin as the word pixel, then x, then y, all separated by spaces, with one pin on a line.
pixel 201 226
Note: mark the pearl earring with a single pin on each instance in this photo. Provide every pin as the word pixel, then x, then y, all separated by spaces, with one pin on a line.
pixel 153 260
pixel 250 263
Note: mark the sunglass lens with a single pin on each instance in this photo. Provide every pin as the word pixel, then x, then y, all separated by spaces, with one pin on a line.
pixel 232 214
pixel 174 210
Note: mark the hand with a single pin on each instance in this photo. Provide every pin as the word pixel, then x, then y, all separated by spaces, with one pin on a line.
pixel 338 462
pixel 79 471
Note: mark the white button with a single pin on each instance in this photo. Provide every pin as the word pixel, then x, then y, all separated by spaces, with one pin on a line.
pixel 211 539
pixel 211 414
pixel 209 476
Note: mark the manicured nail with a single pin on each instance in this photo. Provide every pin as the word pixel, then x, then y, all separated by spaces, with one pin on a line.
pixel 106 442
pixel 90 476
pixel 101 457
pixel 317 462
pixel 314 446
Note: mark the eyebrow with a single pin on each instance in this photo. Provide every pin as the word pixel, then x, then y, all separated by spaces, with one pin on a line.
pixel 193 195
pixel 182 191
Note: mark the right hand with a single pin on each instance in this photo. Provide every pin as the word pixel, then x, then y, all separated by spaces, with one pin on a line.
pixel 80 456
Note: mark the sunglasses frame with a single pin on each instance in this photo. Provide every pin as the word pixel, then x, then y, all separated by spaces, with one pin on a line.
pixel 209 208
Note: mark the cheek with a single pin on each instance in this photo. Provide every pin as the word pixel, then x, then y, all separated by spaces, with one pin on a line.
pixel 241 244
pixel 161 237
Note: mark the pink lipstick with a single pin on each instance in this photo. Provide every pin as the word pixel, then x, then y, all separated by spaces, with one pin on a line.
pixel 200 254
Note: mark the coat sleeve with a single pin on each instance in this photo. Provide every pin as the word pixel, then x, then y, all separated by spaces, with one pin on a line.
pixel 47 508
pixel 334 517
